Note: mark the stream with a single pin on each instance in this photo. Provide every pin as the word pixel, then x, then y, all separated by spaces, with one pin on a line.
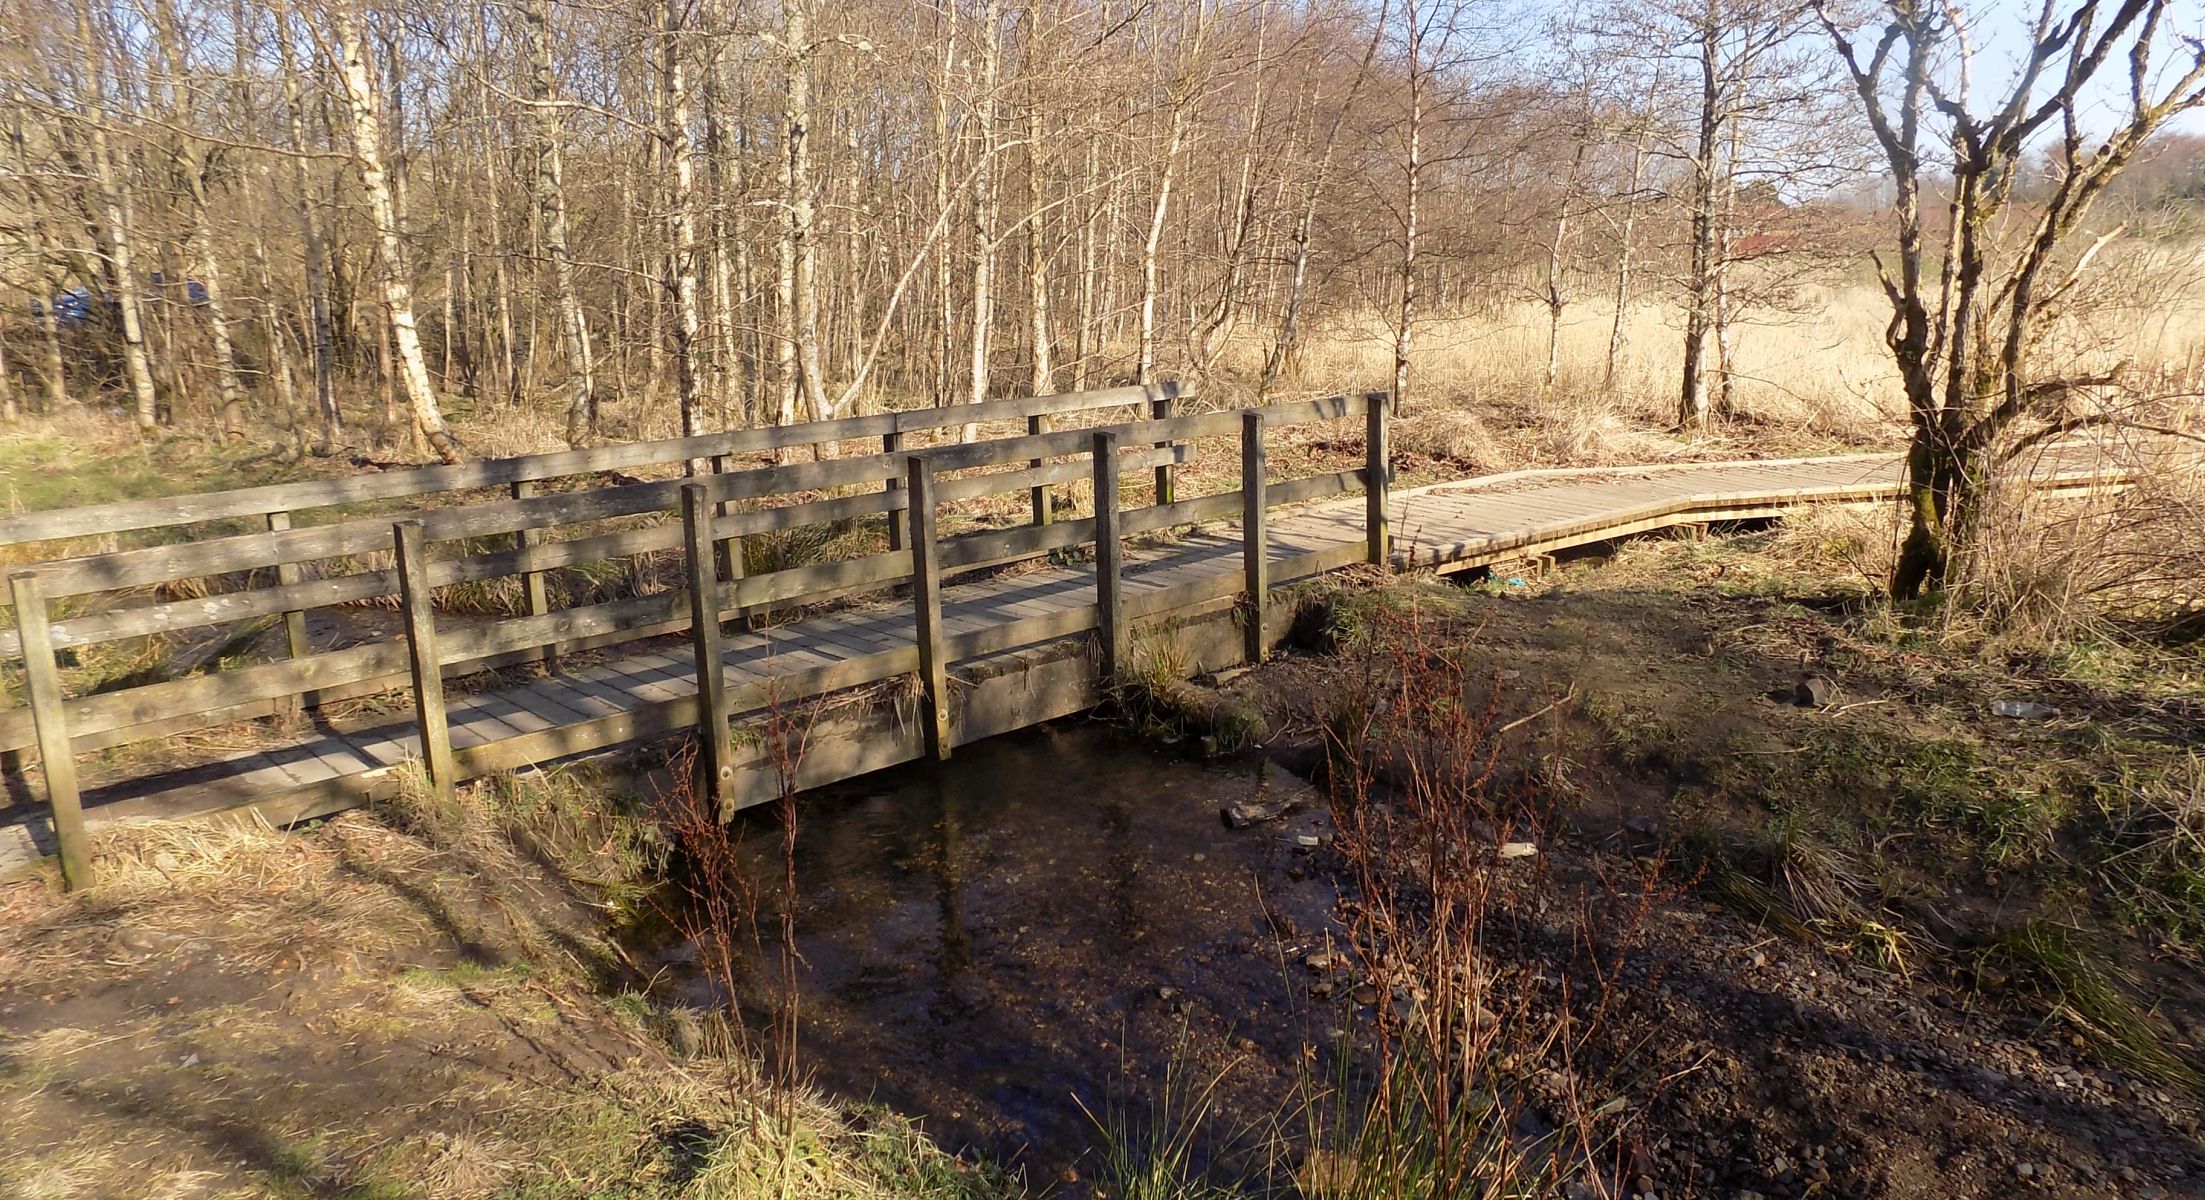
pixel 1052 932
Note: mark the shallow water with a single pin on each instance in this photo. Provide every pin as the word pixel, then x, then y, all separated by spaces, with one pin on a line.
pixel 1021 942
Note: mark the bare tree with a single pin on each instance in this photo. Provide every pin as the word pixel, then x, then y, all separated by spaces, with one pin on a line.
pixel 313 249
pixel 679 283
pixel 1971 308
pixel 549 130
pixel 115 209
pixel 409 365
pixel 1185 89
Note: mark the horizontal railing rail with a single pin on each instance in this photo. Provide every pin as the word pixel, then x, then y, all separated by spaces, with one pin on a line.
pixel 127 516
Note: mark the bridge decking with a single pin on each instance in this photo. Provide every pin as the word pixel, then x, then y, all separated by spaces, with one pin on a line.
pixel 1447 526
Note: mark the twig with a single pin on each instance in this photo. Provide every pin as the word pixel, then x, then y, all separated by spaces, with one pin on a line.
pixel 1846 708
pixel 1559 701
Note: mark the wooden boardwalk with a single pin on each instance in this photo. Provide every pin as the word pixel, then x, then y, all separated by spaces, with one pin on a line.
pixel 648 688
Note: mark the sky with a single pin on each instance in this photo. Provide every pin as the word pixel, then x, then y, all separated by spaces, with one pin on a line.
pixel 1999 31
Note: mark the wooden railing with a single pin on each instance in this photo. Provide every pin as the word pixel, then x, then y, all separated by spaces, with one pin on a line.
pixel 285 502
pixel 525 521
pixel 906 487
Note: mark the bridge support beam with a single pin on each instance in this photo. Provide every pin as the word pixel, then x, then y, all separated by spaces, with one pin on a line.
pixel 715 761
pixel 1036 426
pixel 890 443
pixel 728 552
pixel 1377 475
pixel 1163 402
pixel 294 621
pixel 1255 539
pixel 926 603
pixel 417 601
pixel 50 725
pixel 1109 567
pixel 535 588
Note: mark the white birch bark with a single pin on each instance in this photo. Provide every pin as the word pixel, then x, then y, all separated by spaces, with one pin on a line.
pixel 409 365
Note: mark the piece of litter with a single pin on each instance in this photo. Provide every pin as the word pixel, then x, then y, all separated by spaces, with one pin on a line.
pixel 1518 850
pixel 2023 709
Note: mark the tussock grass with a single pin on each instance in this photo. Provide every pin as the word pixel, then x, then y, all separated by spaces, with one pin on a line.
pixel 1156 695
pixel 2095 996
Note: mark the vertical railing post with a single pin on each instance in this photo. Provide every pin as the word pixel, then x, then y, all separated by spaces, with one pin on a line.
pixel 1163 400
pixel 49 722
pixel 418 603
pixel 294 620
pixel 1109 579
pixel 1036 426
pixel 715 757
pixel 926 602
pixel 889 444
pixel 1377 475
pixel 535 589
pixel 727 552
pixel 1255 541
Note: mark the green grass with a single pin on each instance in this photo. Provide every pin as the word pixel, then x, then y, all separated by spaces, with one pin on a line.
pixel 53 471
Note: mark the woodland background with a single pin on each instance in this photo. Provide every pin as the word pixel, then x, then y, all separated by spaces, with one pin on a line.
pixel 1561 235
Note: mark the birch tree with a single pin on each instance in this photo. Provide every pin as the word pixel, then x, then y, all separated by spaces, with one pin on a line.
pixel 409 366
pixel 114 199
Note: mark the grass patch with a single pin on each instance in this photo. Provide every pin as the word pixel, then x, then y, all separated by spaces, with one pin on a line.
pixel 1157 698
pixel 2090 993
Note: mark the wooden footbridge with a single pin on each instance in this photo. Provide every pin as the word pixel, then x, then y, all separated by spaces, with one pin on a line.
pixel 381 584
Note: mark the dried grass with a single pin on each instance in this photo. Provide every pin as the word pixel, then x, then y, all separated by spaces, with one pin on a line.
pixel 2048 571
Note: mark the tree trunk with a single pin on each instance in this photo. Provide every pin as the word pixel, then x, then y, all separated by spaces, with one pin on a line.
pixel 114 205
pixel 410 367
pixel 1699 315
pixel 1042 380
pixel 1083 318
pixel 985 198
pixel 1557 252
pixel 945 152
pixel 1404 332
pixel 803 233
pixel 1174 140
pixel 1617 332
pixel 316 252
pixel 551 217
pixel 681 261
